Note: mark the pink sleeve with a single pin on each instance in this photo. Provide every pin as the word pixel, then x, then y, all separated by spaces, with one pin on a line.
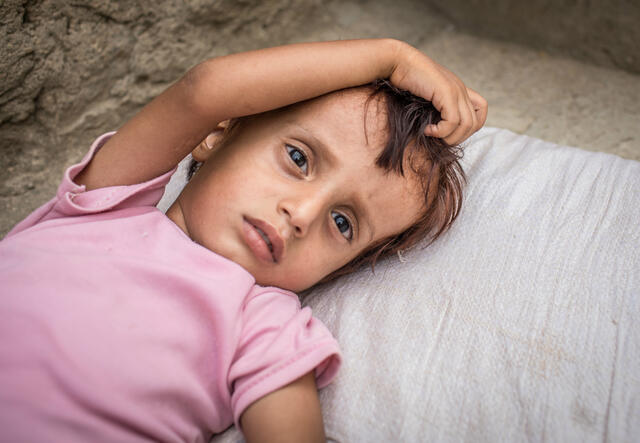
pixel 280 343
pixel 72 199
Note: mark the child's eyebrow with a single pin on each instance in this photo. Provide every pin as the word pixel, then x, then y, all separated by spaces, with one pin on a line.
pixel 329 156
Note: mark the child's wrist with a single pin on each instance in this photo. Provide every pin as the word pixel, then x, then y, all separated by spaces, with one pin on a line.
pixel 395 51
pixel 403 58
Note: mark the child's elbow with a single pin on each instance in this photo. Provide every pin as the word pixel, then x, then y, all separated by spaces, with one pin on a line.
pixel 200 87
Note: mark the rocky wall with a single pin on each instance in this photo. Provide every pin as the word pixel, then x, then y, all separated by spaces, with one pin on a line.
pixel 72 69
pixel 603 32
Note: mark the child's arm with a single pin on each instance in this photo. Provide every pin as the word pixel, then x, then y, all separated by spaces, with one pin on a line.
pixel 290 414
pixel 169 127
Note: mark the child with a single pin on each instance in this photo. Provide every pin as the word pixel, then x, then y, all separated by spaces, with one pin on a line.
pixel 120 323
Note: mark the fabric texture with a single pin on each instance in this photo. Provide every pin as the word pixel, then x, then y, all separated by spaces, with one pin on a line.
pixel 519 324
pixel 115 326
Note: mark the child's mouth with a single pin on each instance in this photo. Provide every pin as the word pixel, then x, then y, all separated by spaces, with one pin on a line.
pixel 263 240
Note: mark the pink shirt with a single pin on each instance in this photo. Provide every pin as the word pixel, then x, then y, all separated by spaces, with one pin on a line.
pixel 115 326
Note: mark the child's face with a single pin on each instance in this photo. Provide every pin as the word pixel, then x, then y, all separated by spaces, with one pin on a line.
pixel 305 178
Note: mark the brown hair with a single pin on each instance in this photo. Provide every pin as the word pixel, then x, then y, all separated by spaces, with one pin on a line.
pixel 435 163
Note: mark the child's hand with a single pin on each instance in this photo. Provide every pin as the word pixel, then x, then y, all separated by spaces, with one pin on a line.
pixel 462 109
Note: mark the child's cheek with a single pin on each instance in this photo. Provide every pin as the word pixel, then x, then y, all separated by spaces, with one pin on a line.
pixel 318 261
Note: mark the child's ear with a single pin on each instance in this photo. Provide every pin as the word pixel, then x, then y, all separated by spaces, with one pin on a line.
pixel 206 147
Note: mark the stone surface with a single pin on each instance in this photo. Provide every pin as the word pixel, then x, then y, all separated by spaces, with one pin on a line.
pixel 603 32
pixel 74 69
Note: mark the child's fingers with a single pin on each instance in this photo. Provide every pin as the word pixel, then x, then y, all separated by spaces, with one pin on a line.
pixel 456 124
pixel 480 106
pixel 443 129
pixel 468 115
pixel 446 102
pixel 471 126
pixel 478 109
pixel 462 110
pixel 465 127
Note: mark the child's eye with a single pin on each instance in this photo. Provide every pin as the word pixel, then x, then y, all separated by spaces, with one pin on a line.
pixel 343 225
pixel 298 157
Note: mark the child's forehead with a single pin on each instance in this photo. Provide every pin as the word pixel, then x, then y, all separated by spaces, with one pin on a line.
pixel 351 114
pixel 354 101
pixel 343 118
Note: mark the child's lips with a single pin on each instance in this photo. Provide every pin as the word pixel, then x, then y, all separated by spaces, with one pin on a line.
pixel 254 230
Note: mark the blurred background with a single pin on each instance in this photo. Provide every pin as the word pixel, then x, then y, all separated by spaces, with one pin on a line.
pixel 566 71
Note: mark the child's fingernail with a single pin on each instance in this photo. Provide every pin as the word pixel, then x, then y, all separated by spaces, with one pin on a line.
pixel 210 140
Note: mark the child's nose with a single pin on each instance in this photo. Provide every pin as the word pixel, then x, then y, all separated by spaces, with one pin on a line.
pixel 302 212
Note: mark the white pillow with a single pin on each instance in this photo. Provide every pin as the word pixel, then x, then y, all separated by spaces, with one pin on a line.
pixel 518 324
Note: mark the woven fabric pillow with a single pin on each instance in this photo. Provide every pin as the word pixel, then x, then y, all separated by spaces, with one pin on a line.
pixel 518 324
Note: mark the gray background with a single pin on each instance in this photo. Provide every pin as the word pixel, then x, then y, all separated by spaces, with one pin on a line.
pixel 564 71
